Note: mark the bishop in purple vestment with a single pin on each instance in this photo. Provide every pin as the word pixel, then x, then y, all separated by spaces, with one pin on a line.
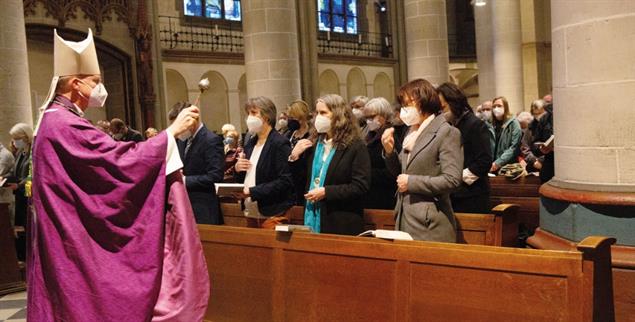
pixel 113 236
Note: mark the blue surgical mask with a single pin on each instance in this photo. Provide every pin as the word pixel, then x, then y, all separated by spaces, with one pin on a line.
pixel 228 141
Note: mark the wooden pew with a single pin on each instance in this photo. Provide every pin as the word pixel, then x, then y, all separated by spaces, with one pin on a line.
pixel 261 275
pixel 10 278
pixel 522 192
pixel 500 228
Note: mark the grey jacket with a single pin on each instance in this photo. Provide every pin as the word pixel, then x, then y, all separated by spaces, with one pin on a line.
pixel 434 171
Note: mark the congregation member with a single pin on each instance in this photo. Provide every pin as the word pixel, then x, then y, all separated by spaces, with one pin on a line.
pixel 531 156
pixel 7 162
pixel 232 151
pixel 121 132
pixel 263 168
pixel 338 170
pixel 113 235
pixel 379 113
pixel 428 168
pixel 473 195
pixel 542 133
pixel 281 125
pixel 299 126
pixel 151 132
pixel 203 166
pixel 505 134
pixel 537 108
pixel 486 112
pixel 357 106
pixel 22 137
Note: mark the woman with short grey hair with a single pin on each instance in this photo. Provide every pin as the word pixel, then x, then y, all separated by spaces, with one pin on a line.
pixel 263 167
pixel 378 113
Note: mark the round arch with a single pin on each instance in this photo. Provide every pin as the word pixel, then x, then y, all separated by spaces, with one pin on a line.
pixel 329 83
pixel 214 103
pixel 175 88
pixel 355 83
pixel 383 87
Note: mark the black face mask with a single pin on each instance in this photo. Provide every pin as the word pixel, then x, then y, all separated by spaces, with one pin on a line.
pixel 293 125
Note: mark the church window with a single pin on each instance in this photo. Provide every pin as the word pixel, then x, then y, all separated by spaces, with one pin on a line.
pixel 337 16
pixel 213 9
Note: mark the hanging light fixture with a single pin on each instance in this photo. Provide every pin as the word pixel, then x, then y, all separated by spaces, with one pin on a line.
pixel 479 3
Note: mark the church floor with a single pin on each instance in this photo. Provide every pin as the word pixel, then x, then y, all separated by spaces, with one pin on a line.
pixel 13 307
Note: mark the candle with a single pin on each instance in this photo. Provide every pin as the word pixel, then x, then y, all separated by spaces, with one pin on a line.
pixel 386 39
pixel 215 30
pixel 328 35
pixel 359 38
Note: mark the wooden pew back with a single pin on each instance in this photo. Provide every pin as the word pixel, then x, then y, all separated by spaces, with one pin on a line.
pixel 261 275
pixel 499 228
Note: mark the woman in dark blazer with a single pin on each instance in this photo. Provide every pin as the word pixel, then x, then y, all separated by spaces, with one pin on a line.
pixel 428 168
pixel 263 168
pixel 338 170
pixel 379 113
pixel 298 126
pixel 473 195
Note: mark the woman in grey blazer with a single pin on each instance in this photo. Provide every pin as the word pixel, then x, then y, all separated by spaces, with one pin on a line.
pixel 428 168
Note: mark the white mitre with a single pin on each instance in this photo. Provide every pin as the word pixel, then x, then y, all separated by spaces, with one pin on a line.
pixel 70 58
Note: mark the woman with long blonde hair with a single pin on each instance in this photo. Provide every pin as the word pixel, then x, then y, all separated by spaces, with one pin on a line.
pixel 338 168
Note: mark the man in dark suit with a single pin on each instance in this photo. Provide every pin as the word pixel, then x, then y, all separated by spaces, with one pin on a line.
pixel 203 165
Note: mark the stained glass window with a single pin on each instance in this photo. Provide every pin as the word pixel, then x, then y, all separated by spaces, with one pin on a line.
pixel 337 16
pixel 214 9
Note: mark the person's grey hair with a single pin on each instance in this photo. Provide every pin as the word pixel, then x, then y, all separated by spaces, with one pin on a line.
pixel 525 117
pixel 359 101
pixel 379 106
pixel 539 103
pixel 266 106
pixel 22 129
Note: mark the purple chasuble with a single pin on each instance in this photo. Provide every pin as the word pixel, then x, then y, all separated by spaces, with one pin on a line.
pixel 99 249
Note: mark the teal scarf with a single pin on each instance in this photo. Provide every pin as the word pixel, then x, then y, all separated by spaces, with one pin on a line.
pixel 318 174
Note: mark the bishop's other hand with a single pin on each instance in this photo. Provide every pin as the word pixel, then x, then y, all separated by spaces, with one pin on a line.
pixel 184 121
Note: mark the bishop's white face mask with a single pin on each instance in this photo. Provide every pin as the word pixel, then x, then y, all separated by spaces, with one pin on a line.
pixel 254 124
pixel 410 115
pixel 98 95
pixel 322 124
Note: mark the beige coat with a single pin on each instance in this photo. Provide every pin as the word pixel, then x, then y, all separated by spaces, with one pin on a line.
pixel 434 171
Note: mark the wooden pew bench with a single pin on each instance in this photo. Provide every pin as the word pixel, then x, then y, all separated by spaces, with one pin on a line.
pixel 522 192
pixel 261 275
pixel 500 228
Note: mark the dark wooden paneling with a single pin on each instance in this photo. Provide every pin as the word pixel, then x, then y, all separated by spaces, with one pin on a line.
pixel 522 192
pixel 261 275
pixel 10 279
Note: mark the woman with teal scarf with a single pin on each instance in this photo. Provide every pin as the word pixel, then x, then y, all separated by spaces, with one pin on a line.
pixel 338 170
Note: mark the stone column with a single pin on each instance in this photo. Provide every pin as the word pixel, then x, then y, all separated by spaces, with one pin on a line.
pixel 427 40
pixel 593 191
pixel 14 70
pixel 499 52
pixel 307 22
pixel 536 39
pixel 271 50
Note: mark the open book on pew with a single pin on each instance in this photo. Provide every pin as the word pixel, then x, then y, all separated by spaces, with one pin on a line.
pixel 387 234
